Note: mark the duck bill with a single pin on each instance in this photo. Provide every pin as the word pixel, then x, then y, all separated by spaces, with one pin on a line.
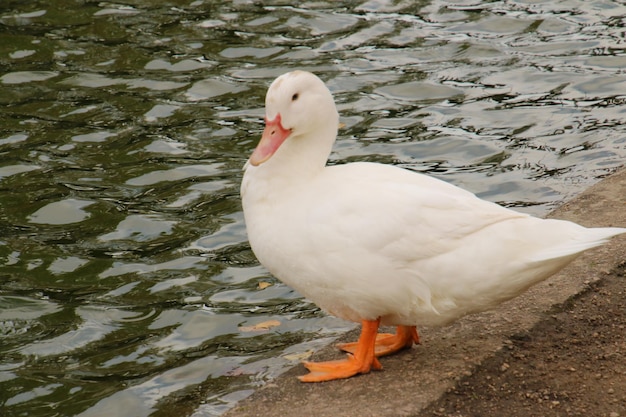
pixel 273 136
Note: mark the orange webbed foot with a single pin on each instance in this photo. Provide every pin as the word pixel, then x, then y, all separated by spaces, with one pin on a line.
pixel 387 344
pixel 339 369
pixel 361 362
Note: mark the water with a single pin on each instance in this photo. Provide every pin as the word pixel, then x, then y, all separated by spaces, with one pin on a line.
pixel 127 286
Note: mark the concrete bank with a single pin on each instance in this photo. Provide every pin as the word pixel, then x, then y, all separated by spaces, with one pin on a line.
pixel 414 379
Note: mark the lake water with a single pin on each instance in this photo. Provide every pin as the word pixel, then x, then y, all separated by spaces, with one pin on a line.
pixel 127 286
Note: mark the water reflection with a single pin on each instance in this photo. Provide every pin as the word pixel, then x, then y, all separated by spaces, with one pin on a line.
pixel 127 284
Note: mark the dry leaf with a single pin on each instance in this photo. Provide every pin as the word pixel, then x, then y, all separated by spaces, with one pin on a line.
pixel 298 356
pixel 259 327
pixel 263 285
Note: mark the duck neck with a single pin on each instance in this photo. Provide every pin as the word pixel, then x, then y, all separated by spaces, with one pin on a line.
pixel 299 159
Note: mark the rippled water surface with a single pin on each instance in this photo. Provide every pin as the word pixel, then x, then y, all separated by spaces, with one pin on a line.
pixel 127 286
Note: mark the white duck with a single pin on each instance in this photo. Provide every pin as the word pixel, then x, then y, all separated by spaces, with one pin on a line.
pixel 379 244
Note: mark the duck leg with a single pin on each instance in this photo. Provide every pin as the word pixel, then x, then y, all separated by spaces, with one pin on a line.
pixel 361 361
pixel 387 343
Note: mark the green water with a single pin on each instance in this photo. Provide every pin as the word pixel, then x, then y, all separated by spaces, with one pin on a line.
pixel 127 286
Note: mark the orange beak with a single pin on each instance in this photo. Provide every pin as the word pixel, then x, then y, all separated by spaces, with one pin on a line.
pixel 273 136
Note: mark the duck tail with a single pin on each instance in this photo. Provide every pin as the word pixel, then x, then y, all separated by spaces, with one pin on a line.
pixel 587 239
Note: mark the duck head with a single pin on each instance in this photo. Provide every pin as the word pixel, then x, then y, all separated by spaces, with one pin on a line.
pixel 299 110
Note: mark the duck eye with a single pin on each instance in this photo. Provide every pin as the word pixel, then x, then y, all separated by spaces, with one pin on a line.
pixel 295 97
